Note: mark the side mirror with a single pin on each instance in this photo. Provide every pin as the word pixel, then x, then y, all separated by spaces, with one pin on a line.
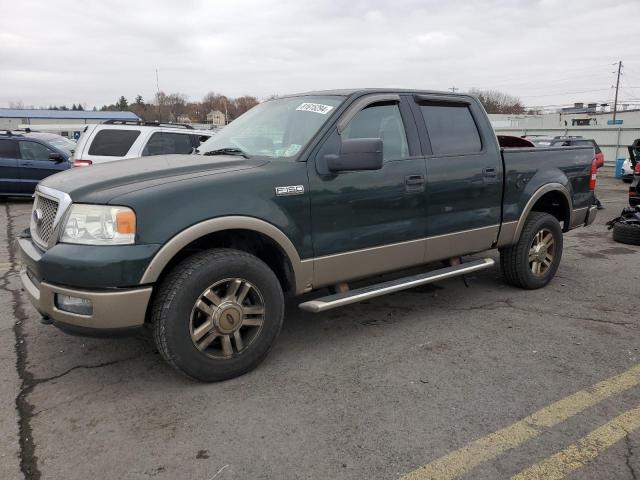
pixel 56 157
pixel 357 154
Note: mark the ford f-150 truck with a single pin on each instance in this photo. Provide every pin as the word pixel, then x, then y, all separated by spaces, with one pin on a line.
pixel 302 192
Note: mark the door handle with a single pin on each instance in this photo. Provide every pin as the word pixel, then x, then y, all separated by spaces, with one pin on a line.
pixel 489 172
pixel 414 180
pixel 414 183
pixel 27 163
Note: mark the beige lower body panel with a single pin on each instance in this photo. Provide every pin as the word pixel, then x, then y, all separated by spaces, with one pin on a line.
pixel 460 243
pixel 112 309
pixel 579 217
pixel 363 263
pixel 356 264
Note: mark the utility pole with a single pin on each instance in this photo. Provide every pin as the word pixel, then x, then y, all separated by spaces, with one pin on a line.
pixel 454 89
pixel 615 102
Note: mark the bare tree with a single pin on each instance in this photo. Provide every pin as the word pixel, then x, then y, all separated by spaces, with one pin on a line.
pixel 495 101
pixel 242 104
pixel 177 105
pixel 18 105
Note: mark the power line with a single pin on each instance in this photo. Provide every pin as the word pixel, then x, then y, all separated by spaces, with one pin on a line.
pixel 566 93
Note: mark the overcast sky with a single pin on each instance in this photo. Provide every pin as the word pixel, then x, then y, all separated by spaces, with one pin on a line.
pixel 64 52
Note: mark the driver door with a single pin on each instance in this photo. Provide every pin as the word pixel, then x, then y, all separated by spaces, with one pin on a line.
pixel 34 164
pixel 365 222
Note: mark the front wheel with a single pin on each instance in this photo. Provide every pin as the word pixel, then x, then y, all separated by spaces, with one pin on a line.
pixel 533 261
pixel 217 314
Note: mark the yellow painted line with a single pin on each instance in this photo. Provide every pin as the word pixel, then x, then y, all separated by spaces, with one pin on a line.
pixel 584 450
pixel 486 448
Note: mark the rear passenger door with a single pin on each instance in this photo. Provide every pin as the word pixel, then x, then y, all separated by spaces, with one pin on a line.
pixel 464 176
pixel 167 143
pixel 9 172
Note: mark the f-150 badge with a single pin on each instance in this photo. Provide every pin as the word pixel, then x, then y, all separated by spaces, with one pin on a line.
pixel 289 190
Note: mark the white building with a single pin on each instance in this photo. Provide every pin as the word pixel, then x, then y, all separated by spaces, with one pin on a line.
pixel 68 123
pixel 216 118
pixel 586 122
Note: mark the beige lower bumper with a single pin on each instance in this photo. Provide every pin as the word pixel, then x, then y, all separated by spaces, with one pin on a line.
pixel 591 215
pixel 112 309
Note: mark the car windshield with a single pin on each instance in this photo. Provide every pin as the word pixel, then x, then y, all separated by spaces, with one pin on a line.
pixel 63 144
pixel 277 128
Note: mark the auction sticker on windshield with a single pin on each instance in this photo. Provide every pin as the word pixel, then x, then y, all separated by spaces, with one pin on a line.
pixel 315 107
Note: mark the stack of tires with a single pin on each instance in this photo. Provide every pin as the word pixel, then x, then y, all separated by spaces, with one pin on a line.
pixel 626 228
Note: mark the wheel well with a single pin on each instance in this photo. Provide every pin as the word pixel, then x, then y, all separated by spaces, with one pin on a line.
pixel 554 203
pixel 248 241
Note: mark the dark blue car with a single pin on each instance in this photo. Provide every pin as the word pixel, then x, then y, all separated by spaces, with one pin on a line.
pixel 27 158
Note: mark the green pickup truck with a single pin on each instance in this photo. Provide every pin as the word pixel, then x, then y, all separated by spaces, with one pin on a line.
pixel 302 192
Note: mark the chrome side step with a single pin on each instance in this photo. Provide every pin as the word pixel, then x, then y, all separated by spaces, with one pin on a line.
pixel 371 291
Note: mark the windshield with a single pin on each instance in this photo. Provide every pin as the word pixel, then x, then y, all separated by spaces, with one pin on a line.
pixel 63 144
pixel 277 128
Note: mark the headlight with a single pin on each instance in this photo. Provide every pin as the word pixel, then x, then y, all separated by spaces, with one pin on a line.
pixel 99 225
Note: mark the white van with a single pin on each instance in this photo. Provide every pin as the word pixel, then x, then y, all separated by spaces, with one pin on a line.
pixel 117 139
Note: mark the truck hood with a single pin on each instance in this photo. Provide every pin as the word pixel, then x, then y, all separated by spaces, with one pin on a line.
pixel 102 182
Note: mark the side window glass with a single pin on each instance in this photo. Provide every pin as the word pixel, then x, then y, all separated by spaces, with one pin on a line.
pixel 381 121
pixel 113 143
pixel 451 129
pixel 8 149
pixel 165 143
pixel 33 151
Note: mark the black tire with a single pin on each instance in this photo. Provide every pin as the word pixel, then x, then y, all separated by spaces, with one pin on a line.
pixel 626 233
pixel 514 260
pixel 177 295
pixel 627 180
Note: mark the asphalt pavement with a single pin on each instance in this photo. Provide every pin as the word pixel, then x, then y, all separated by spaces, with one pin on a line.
pixel 443 381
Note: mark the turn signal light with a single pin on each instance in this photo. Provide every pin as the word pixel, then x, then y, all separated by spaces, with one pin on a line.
pixel 82 163
pixel 126 222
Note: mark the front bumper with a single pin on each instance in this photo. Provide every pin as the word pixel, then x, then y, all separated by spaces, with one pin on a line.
pixel 114 309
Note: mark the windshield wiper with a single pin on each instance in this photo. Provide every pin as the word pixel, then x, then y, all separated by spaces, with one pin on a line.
pixel 228 151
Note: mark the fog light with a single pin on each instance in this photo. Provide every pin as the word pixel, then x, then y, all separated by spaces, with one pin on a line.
pixel 81 306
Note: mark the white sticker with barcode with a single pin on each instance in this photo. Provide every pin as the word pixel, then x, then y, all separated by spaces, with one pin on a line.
pixel 315 107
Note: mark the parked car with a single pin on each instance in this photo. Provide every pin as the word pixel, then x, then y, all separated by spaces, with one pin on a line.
pixel 25 159
pixel 634 188
pixel 299 193
pixel 628 167
pixel 117 140
pixel 58 141
pixel 579 142
pixel 539 140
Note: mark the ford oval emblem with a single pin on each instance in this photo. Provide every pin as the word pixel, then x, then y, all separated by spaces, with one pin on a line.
pixel 37 216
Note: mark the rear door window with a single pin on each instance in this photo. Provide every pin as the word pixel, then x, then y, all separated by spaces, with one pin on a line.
pixel 113 143
pixel 8 149
pixel 165 143
pixel 33 151
pixel 451 129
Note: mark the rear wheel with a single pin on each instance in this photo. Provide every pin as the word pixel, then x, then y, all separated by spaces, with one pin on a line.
pixel 533 261
pixel 217 314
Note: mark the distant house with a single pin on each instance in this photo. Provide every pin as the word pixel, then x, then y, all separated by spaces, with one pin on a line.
pixel 216 118
pixel 68 123
pixel 183 119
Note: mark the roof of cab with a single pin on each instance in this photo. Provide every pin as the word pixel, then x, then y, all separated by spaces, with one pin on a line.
pixel 361 91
